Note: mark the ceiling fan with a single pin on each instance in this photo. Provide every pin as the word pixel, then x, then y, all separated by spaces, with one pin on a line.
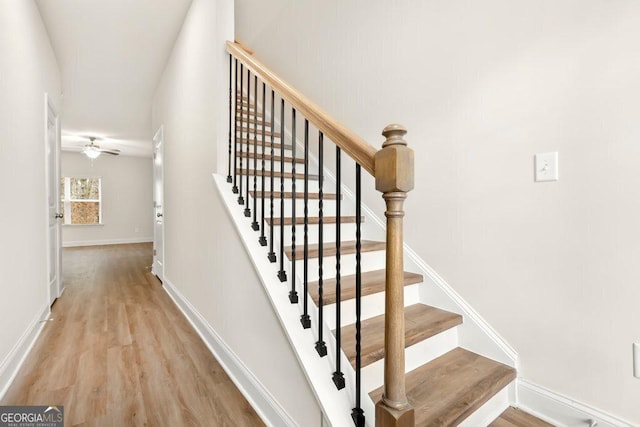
pixel 93 151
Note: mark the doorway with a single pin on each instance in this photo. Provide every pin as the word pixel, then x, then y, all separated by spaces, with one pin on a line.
pixel 158 201
pixel 54 214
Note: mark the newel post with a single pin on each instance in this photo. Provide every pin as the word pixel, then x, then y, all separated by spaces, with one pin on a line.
pixel 394 173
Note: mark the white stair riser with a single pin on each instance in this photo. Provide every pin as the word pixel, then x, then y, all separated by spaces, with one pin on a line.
pixel 288 167
pixel 313 208
pixel 288 185
pixel 372 305
pixel 347 231
pixel 370 261
pixel 415 356
pixel 492 408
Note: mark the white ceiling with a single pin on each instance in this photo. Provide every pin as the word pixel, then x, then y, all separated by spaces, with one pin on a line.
pixel 111 54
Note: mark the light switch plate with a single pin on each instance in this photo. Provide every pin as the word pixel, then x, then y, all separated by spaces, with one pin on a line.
pixel 546 165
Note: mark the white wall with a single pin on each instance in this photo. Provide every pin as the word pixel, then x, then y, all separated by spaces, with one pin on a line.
pixel 204 258
pixel 127 199
pixel 482 87
pixel 28 69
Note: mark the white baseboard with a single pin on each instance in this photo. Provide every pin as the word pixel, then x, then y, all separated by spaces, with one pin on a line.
pixel 106 242
pixel 13 362
pixel 560 410
pixel 253 390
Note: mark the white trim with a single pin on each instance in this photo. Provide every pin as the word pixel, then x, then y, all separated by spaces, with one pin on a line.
pixel 253 390
pixel 13 361
pixel 561 410
pixel 334 405
pixel 107 242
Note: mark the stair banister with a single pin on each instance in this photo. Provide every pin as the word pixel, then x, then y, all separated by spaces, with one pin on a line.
pixel 393 169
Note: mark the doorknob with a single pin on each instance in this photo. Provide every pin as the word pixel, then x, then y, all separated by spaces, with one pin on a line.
pixel 59 216
pixel 159 215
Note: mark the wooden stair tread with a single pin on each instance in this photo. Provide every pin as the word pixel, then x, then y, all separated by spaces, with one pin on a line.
pixel 314 220
pixel 373 282
pixel 329 249
pixel 266 132
pixel 299 196
pixel 252 121
pixel 243 111
pixel 244 105
pixel 266 143
pixel 513 417
pixel 421 322
pixel 448 389
pixel 276 158
pixel 276 174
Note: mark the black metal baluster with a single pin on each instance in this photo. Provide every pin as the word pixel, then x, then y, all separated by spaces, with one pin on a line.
pixel 338 376
pixel 254 224
pixel 235 135
pixel 282 275
pixel 242 133
pixel 305 319
pixel 357 414
pixel 321 346
pixel 272 254
pixel 263 239
pixel 247 211
pixel 229 179
pixel 293 294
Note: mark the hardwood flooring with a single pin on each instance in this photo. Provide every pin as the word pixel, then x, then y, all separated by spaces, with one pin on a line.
pixel 119 353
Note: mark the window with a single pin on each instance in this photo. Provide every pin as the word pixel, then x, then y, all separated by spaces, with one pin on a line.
pixel 81 200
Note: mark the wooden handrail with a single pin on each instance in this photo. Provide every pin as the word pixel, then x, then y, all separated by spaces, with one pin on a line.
pixel 357 148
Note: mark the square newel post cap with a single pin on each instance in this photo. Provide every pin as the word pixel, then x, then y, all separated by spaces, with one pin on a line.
pixel 394 163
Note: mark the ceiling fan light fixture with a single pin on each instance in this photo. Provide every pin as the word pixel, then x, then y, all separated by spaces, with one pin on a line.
pixel 91 152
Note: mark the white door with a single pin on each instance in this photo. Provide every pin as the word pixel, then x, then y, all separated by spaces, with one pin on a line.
pixel 54 215
pixel 158 200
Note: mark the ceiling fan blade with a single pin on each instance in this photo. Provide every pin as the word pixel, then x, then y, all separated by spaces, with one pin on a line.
pixel 112 152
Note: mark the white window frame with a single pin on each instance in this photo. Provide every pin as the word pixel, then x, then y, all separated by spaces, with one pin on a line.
pixel 68 200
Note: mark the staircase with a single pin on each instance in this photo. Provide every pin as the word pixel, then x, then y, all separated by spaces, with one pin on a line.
pixel 345 271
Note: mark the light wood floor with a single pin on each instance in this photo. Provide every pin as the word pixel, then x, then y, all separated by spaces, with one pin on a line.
pixel 119 353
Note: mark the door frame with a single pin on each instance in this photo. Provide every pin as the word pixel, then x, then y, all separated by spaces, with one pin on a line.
pixel 158 136
pixel 51 108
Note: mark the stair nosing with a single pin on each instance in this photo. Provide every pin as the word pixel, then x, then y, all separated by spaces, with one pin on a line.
pixel 314 220
pixel 287 175
pixel 436 376
pixel 347 286
pixel 329 249
pixel 416 331
pixel 299 196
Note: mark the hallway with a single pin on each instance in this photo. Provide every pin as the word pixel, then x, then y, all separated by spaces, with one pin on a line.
pixel 118 352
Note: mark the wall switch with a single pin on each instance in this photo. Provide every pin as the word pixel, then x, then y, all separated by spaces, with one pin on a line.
pixel 546 165
pixel 636 360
